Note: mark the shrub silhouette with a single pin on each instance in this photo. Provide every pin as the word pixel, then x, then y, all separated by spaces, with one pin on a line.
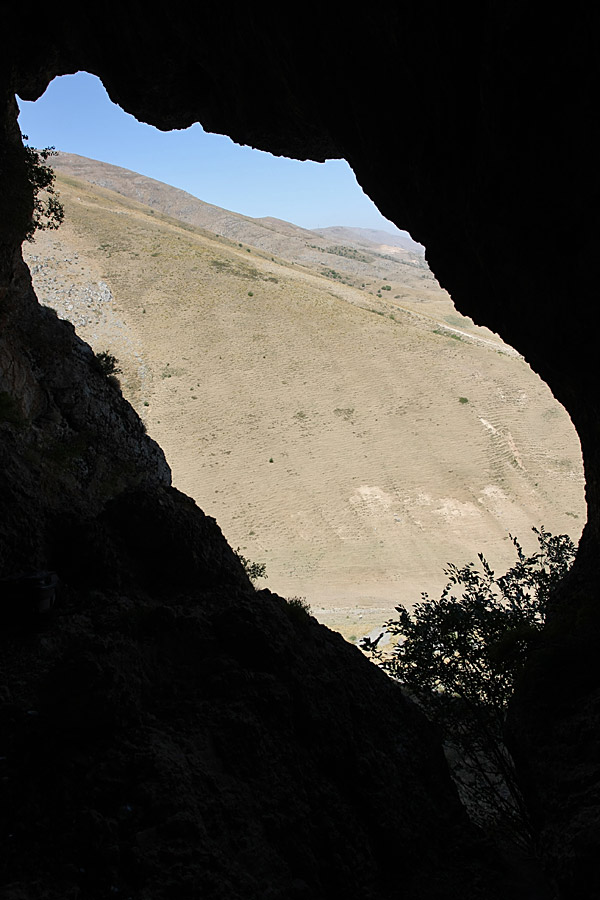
pixel 48 213
pixel 108 363
pixel 254 570
pixel 298 609
pixel 458 658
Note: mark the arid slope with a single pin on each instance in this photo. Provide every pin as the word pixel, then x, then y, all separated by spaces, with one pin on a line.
pixel 355 439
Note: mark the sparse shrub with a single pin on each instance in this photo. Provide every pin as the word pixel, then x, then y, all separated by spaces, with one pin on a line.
pixel 48 213
pixel 458 658
pixel 344 412
pixel 254 570
pixel 449 334
pixel 109 364
pixel 463 399
pixel 298 608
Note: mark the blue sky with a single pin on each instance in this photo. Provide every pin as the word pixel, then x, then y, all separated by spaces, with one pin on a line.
pixel 76 115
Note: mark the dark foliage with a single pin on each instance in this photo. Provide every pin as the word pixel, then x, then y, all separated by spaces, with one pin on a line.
pixel 459 656
pixel 48 212
pixel 254 570
pixel 108 363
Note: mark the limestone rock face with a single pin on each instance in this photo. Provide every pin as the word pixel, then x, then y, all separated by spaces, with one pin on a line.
pixel 474 130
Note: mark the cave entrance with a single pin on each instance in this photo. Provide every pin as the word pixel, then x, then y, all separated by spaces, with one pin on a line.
pixel 316 392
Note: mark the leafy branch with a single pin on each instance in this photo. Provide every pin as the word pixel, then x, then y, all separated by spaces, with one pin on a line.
pixel 48 212
pixel 458 658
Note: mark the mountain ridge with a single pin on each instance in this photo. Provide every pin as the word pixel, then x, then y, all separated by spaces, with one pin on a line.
pixel 375 236
pixel 263 233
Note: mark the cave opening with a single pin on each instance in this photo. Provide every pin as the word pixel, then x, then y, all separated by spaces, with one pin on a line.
pixel 177 725
pixel 320 413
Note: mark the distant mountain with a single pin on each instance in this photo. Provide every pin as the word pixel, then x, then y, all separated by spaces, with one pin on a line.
pixel 155 194
pixel 375 236
pixel 350 253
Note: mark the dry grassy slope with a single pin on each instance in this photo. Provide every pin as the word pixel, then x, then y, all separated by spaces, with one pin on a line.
pixel 327 440
pixel 342 255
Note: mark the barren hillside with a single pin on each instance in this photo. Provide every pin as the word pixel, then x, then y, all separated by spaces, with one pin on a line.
pixel 354 438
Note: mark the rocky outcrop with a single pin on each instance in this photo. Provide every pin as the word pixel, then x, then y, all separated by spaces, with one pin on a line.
pixel 174 733
pixel 69 440
pixel 463 126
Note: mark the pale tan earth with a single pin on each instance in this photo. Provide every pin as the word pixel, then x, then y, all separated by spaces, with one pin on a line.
pixel 320 424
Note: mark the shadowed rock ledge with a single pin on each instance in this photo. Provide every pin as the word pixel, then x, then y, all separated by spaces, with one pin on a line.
pixel 193 738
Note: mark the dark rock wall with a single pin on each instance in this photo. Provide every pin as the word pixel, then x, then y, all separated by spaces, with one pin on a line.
pixel 472 127
pixel 208 742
